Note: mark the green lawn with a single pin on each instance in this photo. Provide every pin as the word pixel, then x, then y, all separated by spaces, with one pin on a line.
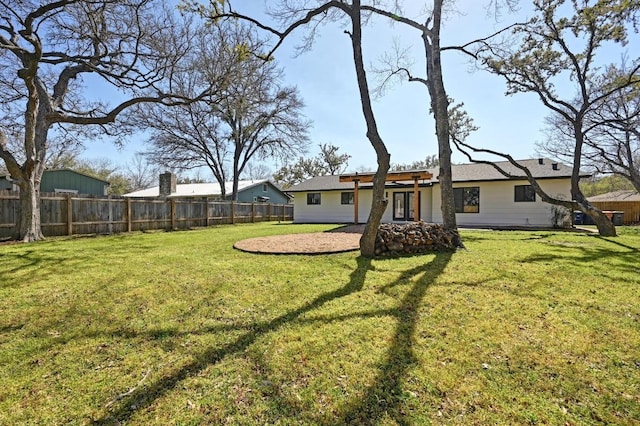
pixel 180 328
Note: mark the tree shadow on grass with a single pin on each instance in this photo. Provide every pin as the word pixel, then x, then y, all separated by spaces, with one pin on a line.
pixel 618 243
pixel 145 396
pixel 386 396
pixel 579 255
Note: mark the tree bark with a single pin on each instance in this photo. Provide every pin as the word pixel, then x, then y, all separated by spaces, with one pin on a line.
pixel 234 185
pixel 379 202
pixel 28 227
pixel 606 228
pixel 440 107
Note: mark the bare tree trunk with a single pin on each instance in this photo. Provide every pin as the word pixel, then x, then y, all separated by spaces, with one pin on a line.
pixel 30 174
pixel 634 176
pixel 236 177
pixel 378 206
pixel 606 228
pixel 28 226
pixel 379 202
pixel 440 107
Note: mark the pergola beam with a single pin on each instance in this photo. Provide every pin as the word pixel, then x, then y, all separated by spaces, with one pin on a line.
pixel 414 176
pixel 391 176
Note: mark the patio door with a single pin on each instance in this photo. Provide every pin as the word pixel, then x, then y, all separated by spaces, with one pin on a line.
pixel 403 206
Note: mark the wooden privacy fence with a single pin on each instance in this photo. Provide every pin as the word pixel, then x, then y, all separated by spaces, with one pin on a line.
pixel 70 214
pixel 631 209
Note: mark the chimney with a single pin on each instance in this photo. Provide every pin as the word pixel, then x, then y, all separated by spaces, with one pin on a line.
pixel 554 166
pixel 167 184
pixel 540 161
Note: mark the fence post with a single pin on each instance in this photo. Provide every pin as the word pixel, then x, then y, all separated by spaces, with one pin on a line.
pixel 128 214
pixel 253 212
pixel 110 216
pixel 172 204
pixel 233 213
pixel 206 212
pixel 69 215
pixel 269 212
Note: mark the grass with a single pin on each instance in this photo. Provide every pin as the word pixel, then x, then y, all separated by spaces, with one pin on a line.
pixel 180 328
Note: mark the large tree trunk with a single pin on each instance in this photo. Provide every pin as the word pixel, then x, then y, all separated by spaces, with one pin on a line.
pixel 379 202
pixel 440 107
pixel 236 173
pixel 28 226
pixel 36 129
pixel 378 206
pixel 606 228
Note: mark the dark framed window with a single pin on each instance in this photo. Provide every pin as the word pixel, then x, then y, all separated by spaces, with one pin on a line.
pixel 524 194
pixel 347 198
pixel 313 198
pixel 467 199
pixel 264 187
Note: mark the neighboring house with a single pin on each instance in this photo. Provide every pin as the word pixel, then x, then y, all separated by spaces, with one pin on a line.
pixel 261 191
pixel 6 184
pixel 483 196
pixel 62 181
pixel 627 201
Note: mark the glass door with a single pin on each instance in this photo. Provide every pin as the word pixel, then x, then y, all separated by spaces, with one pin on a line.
pixel 403 205
pixel 399 202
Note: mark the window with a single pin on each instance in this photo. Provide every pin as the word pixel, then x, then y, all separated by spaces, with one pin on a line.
pixel 313 198
pixel 346 198
pixel 524 193
pixel 467 200
pixel 264 187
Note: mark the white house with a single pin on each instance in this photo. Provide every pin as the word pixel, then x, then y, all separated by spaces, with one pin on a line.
pixel 483 196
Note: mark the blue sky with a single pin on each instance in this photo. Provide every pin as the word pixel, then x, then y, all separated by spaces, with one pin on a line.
pixel 325 77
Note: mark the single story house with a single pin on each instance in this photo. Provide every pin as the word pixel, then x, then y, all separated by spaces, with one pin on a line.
pixel 249 191
pixel 483 196
pixel 627 201
pixel 62 181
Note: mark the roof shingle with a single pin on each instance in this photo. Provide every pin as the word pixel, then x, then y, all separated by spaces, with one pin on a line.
pixel 540 169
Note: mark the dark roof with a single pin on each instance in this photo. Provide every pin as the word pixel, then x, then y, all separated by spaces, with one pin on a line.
pixel 622 195
pixel 478 172
pixel 77 173
pixel 4 172
pixel 460 172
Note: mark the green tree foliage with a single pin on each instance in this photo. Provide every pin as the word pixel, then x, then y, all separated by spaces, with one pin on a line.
pixel 327 162
pixel 604 184
pixel 430 162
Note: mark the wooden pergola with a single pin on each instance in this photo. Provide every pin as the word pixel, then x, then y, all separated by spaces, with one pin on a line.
pixel 415 176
